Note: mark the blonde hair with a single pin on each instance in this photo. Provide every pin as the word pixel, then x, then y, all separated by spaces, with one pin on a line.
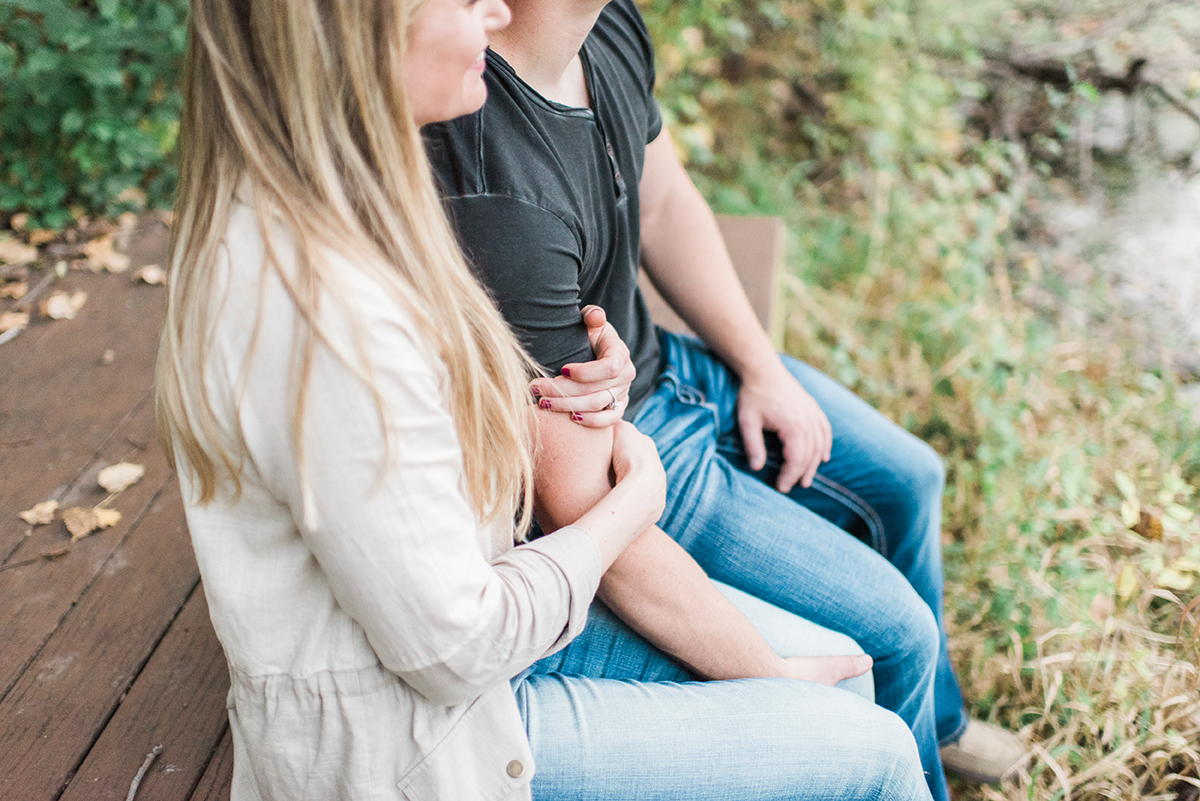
pixel 304 98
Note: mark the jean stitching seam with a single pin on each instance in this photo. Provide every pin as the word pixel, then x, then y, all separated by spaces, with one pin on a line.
pixel 872 518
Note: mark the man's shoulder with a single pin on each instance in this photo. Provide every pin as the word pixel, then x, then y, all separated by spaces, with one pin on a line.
pixel 621 31
pixel 513 148
pixel 621 18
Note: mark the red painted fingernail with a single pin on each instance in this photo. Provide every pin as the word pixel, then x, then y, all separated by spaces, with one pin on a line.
pixel 536 391
pixel 577 417
pixel 566 371
pixel 545 403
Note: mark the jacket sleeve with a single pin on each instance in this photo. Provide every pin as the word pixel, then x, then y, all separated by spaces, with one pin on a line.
pixel 387 521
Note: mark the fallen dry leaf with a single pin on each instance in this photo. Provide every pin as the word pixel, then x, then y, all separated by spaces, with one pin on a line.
pixel 13 252
pixel 100 252
pixel 40 236
pixel 1149 524
pixel 54 553
pixel 1185 565
pixel 81 522
pixel 119 476
pixel 1174 580
pixel 151 274
pixel 41 514
pixel 61 306
pixel 16 290
pixel 10 320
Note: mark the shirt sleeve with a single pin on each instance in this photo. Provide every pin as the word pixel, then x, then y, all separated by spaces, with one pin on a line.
pixel 654 122
pixel 389 525
pixel 641 49
pixel 530 261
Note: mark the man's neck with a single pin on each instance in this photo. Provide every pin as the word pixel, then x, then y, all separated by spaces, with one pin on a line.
pixel 542 45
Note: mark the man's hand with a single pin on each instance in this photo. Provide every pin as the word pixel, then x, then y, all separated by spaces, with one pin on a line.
pixel 594 393
pixel 775 401
pixel 827 670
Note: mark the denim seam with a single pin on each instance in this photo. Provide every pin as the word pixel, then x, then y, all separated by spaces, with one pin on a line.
pixel 873 520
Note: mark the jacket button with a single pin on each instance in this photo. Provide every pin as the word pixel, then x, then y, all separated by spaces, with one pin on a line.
pixel 515 768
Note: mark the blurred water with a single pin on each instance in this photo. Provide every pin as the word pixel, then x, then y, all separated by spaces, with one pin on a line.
pixel 1155 261
pixel 1146 246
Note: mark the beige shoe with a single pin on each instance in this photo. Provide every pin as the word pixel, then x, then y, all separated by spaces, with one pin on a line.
pixel 985 753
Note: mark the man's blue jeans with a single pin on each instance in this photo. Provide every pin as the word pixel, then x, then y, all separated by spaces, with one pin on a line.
pixel 610 718
pixel 793 551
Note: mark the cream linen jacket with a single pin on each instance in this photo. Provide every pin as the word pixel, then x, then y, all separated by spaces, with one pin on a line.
pixel 370 623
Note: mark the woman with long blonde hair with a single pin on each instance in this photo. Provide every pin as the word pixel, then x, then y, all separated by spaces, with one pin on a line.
pixel 351 424
pixel 330 374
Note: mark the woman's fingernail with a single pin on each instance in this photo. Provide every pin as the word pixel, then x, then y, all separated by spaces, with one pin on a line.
pixel 566 371
pixel 577 417
pixel 537 393
pixel 545 403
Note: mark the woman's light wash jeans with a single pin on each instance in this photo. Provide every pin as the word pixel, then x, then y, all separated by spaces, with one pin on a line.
pixel 882 485
pixel 610 718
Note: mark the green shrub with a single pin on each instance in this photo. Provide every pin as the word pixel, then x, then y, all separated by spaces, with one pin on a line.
pixel 89 105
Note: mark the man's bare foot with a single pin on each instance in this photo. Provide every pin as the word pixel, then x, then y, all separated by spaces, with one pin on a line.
pixel 827 669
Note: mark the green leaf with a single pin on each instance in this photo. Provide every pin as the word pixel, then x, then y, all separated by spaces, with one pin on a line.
pixel 1087 92
pixel 44 60
pixel 72 121
pixel 8 59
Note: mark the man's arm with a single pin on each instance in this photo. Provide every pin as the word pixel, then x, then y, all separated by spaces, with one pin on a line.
pixel 685 257
pixel 654 585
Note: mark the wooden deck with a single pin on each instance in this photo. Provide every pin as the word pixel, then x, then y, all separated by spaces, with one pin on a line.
pixel 106 651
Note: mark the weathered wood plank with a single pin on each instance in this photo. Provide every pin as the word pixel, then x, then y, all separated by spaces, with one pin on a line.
pixel 756 247
pixel 178 702
pixel 218 776
pixel 60 703
pixel 59 401
pixel 35 596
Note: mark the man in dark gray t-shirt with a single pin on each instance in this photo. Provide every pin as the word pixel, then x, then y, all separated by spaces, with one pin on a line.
pixel 544 198
pixel 780 481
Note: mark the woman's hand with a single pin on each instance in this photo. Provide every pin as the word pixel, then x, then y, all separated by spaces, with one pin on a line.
pixel 639 474
pixel 594 393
